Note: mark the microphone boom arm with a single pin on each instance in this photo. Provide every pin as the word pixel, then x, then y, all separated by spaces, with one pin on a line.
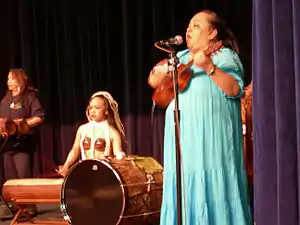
pixel 157 45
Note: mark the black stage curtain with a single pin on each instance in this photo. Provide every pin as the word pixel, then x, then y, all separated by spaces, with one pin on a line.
pixel 71 49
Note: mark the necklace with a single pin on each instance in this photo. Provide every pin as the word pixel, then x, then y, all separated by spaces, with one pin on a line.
pixel 15 104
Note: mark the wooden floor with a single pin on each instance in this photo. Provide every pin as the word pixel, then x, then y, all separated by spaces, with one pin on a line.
pixel 48 213
pixel 45 212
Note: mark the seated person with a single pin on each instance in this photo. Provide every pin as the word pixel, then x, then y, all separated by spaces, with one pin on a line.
pixel 102 136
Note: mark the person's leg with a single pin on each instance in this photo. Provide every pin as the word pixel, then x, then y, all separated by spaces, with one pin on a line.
pixel 24 166
pixel 10 171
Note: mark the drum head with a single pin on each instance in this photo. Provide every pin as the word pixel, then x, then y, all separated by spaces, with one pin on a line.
pixel 92 194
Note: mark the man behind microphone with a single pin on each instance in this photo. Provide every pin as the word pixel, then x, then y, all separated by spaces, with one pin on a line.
pixel 214 190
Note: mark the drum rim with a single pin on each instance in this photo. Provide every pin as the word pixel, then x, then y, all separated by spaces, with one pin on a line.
pixel 63 204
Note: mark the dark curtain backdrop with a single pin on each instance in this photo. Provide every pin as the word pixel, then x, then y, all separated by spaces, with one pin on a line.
pixel 276 112
pixel 71 49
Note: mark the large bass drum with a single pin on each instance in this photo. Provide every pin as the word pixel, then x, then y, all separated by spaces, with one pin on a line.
pixel 127 191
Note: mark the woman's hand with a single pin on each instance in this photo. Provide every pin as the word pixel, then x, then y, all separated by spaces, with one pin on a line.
pixel 202 60
pixel 2 123
pixel 18 121
pixel 62 170
pixel 120 155
pixel 248 90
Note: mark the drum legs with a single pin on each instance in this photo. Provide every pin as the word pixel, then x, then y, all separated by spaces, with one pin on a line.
pixel 21 211
pixel 28 220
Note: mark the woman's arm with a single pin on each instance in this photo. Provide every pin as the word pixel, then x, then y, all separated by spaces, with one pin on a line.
pixel 223 77
pixel 225 81
pixel 117 144
pixel 73 154
pixel 34 121
pixel 37 112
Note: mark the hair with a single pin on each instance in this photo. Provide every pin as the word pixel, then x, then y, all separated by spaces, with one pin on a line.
pixel 22 79
pixel 223 32
pixel 113 117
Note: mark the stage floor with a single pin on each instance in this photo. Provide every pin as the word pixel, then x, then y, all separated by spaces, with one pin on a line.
pixel 45 212
pixel 48 213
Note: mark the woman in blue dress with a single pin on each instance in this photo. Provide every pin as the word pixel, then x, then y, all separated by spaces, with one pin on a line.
pixel 214 183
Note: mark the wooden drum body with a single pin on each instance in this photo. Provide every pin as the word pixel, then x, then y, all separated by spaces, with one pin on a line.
pixel 128 191
pixel 32 191
pixel 24 192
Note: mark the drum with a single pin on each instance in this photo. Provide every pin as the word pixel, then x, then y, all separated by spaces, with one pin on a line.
pixel 127 191
pixel 10 127
pixel 24 192
pixel 246 111
pixel 32 190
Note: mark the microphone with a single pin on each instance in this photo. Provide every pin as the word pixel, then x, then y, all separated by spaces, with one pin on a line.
pixel 177 40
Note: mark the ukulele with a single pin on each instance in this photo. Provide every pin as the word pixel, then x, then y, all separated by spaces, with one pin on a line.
pixel 163 95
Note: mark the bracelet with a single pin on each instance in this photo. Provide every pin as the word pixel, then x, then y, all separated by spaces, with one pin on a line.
pixel 120 155
pixel 212 71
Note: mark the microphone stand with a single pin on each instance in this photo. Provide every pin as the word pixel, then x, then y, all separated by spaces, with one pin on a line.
pixel 174 62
